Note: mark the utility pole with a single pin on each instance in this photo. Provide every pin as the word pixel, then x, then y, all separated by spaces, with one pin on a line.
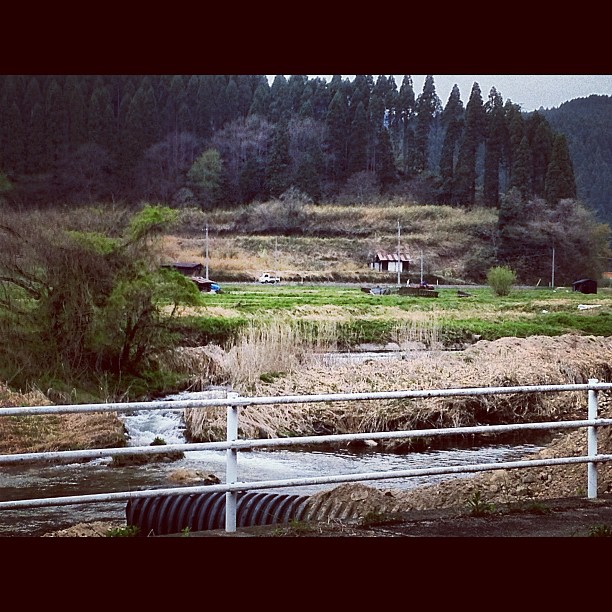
pixel 206 241
pixel 421 266
pixel 553 268
pixel 399 259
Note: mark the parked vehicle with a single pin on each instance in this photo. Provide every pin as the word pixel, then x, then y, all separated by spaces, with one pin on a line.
pixel 267 278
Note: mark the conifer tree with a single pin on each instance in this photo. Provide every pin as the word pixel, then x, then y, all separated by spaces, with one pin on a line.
pixel 232 101
pixel 452 122
pixel 100 118
pixel 405 109
pixel 358 142
pixel 56 122
pixel 391 100
pixel 321 98
pixel 495 126
pixel 337 136
pixel 13 151
pixel 193 84
pixel 176 118
pixel 34 127
pixel 521 170
pixel 541 140
pixel 139 129
pixel 427 107
pixel 378 104
pixel 75 103
pixel 515 130
pixel 464 190
pixel 280 102
pixel 560 182
pixel 216 90
pixel 308 175
pixel 385 162
pixel 203 120
pixel 511 212
pixel 252 180
pixel 261 100
pixel 306 108
pixel 11 128
pixel 246 84
pixel 295 91
pixel 279 164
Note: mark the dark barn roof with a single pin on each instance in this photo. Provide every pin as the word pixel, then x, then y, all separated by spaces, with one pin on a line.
pixel 585 285
pixel 185 267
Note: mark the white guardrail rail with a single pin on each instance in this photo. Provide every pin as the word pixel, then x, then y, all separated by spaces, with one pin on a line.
pixel 233 445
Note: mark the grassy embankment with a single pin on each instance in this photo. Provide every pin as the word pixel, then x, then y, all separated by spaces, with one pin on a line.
pixel 344 316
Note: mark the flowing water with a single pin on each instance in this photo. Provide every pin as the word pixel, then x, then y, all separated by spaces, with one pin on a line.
pixel 101 476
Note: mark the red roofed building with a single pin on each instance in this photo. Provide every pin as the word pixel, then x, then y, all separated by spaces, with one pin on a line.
pixel 389 262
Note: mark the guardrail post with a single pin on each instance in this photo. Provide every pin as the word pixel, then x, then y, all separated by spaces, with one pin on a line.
pixel 231 468
pixel 592 442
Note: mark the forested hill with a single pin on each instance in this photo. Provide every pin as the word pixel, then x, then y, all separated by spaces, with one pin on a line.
pixel 231 140
pixel 587 126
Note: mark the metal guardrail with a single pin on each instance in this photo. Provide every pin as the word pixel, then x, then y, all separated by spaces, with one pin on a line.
pixel 232 444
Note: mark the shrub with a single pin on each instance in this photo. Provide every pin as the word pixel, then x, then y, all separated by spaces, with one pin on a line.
pixel 501 279
pixel 129 531
pixel 479 507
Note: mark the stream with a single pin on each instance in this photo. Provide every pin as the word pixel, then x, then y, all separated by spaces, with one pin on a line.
pixel 100 476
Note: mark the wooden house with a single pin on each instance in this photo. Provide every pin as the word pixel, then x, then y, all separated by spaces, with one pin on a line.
pixel 389 262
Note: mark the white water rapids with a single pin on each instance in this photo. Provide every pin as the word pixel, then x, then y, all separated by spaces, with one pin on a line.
pixel 100 476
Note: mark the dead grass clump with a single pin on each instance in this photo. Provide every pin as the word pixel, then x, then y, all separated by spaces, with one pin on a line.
pixel 48 433
pixel 275 361
pixel 202 365
pixel 263 353
pixel 506 362
pixel 275 348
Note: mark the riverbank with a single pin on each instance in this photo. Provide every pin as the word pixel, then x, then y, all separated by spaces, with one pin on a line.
pixel 500 363
pixel 507 361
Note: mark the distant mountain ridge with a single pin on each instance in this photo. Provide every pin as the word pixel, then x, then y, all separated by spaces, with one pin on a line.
pixel 587 126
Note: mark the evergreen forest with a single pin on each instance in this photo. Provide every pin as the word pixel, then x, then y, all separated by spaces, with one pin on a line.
pixel 229 140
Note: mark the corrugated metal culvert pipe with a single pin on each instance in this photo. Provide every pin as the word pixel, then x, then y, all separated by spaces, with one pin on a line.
pixel 204 511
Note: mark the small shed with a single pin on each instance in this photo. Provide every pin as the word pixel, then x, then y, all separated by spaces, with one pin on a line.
pixel 389 262
pixel 186 268
pixel 585 285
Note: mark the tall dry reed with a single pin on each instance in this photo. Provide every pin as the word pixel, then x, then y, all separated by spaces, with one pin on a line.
pixel 276 347
pixel 416 334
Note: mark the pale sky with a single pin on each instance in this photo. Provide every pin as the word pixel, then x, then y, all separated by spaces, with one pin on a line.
pixel 529 91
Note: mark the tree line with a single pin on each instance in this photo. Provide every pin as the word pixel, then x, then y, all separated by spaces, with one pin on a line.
pixel 586 122
pixel 229 140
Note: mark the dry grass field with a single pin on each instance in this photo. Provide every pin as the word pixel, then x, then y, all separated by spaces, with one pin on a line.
pixel 331 242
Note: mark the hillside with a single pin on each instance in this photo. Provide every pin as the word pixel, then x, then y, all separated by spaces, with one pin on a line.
pixel 310 242
pixel 335 243
pixel 587 125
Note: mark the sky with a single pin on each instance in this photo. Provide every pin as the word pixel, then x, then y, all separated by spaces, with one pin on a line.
pixel 531 92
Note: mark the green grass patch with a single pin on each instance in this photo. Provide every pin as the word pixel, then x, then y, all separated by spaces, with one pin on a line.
pixel 197 331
